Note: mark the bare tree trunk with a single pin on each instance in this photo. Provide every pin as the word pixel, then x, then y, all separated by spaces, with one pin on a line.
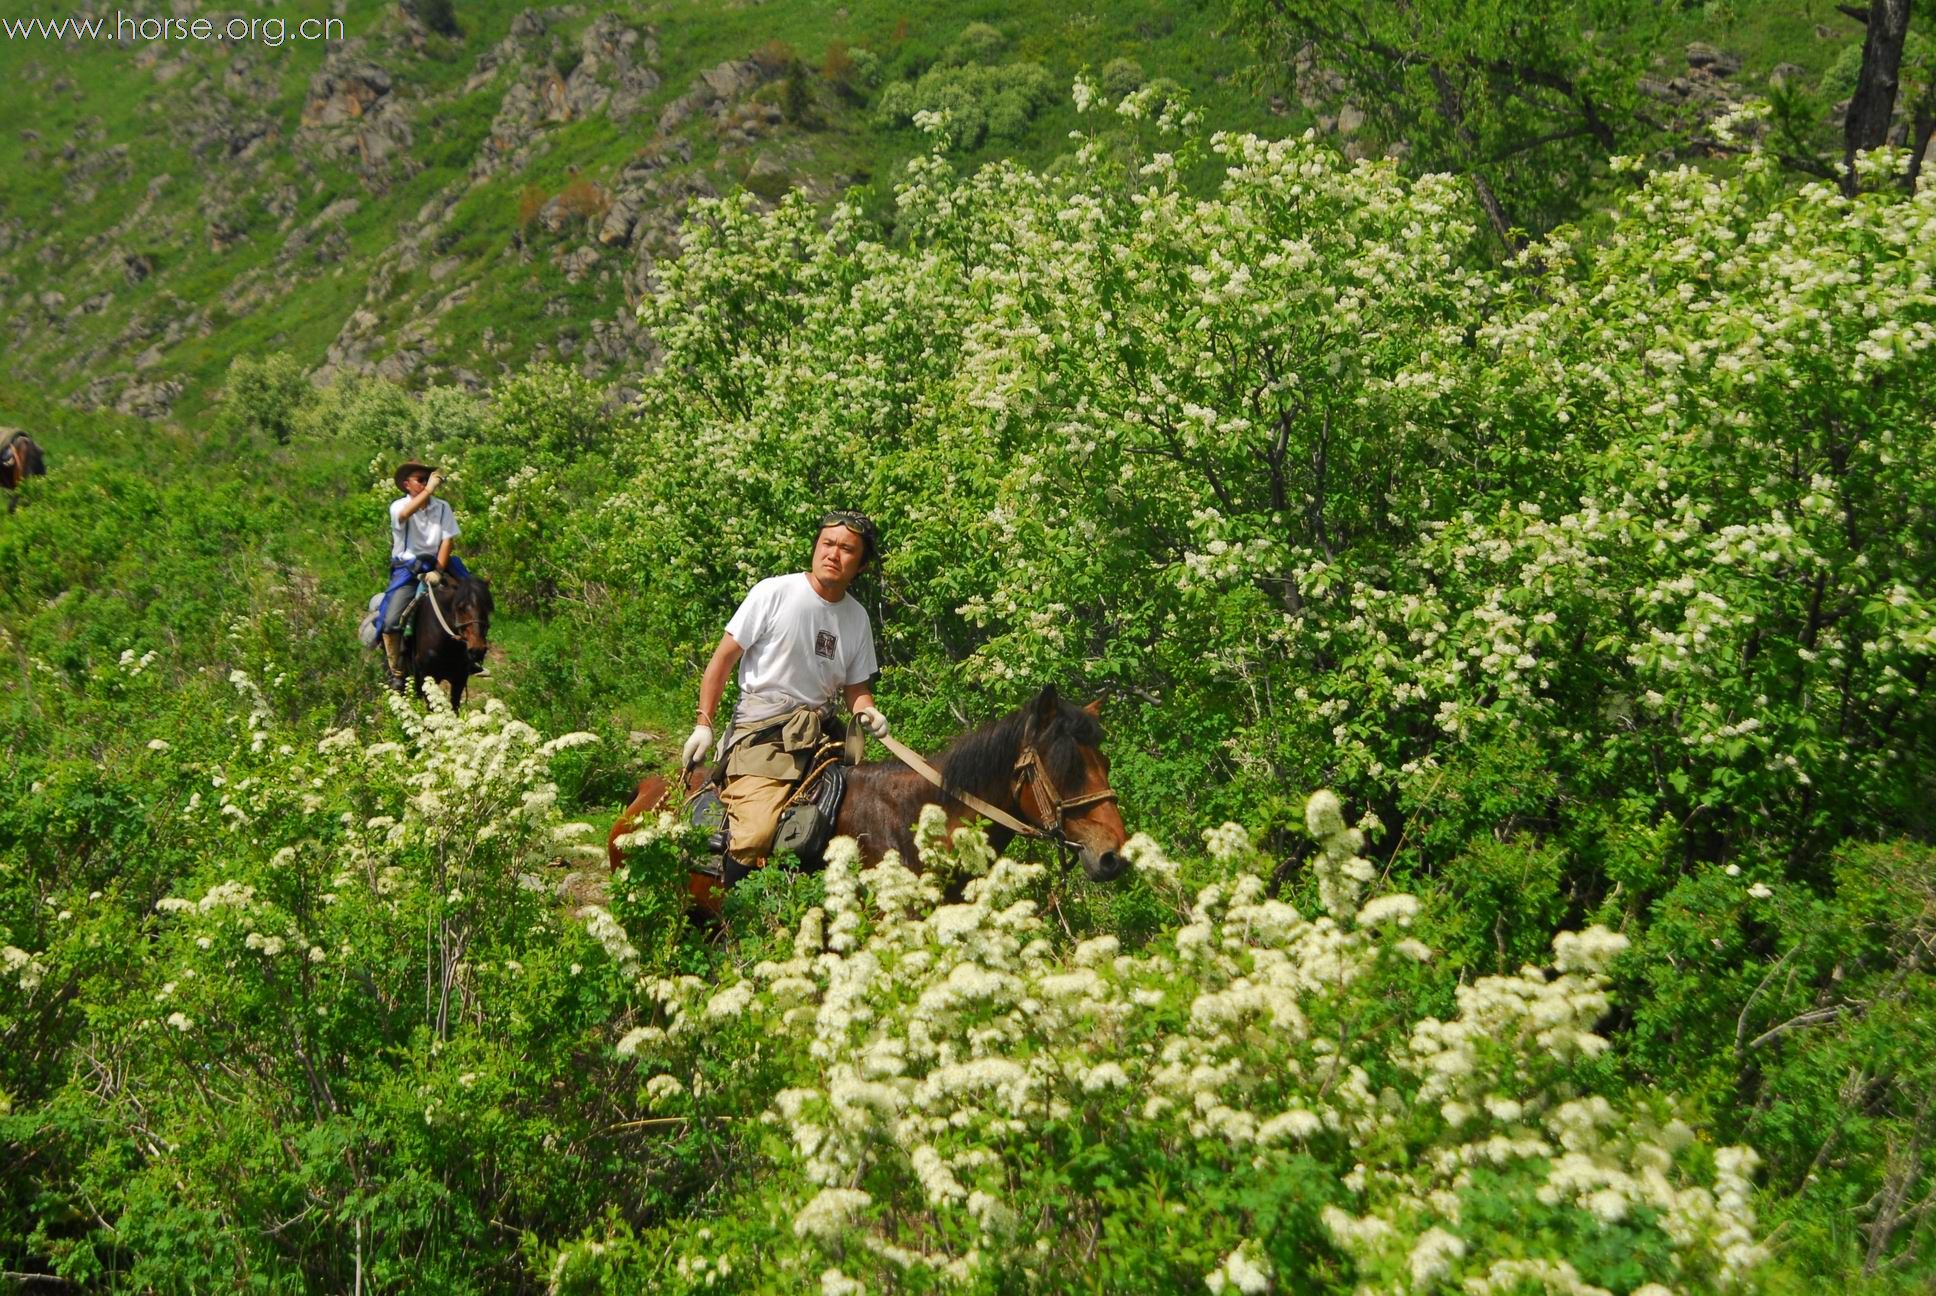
pixel 1454 115
pixel 1923 127
pixel 1867 124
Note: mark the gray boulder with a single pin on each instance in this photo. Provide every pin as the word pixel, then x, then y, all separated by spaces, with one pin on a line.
pixel 149 400
pixel 344 90
pixel 1712 60
pixel 617 226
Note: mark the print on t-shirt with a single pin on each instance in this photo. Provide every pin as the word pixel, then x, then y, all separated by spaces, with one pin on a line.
pixel 824 644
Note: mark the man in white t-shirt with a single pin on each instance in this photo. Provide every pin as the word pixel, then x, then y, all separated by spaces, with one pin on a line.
pixel 799 643
pixel 422 528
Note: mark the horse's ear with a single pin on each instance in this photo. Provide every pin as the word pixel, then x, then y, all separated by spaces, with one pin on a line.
pixel 1043 711
pixel 1095 708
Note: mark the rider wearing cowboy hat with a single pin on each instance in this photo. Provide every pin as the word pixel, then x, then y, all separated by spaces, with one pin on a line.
pixel 421 530
pixel 798 641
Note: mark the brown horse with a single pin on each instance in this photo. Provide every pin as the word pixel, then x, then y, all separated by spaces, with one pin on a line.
pixel 449 632
pixel 20 458
pixel 1042 763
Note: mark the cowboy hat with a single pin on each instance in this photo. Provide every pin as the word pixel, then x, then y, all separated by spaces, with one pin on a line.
pixel 410 466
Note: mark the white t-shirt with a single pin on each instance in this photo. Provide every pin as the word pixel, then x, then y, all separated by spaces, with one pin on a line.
pixel 420 534
pixel 800 650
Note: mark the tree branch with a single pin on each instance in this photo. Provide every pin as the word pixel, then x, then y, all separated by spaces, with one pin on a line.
pixel 1810 1018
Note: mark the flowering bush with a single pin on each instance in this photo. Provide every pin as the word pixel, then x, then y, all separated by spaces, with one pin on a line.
pixel 1254 1100
pixel 1653 507
pixel 352 1037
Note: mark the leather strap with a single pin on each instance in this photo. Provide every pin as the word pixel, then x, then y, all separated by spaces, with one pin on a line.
pixel 912 759
pixel 423 587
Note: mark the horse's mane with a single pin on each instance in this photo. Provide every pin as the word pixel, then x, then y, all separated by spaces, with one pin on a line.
pixel 477 590
pixel 474 591
pixel 985 757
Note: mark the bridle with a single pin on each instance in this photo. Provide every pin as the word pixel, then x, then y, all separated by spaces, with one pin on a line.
pixel 438 609
pixel 1032 774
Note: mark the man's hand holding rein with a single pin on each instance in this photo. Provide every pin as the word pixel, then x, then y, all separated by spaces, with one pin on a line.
pixel 697 745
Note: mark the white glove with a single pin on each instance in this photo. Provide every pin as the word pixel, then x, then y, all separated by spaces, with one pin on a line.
pixel 696 746
pixel 875 722
pixel 433 577
pixel 430 486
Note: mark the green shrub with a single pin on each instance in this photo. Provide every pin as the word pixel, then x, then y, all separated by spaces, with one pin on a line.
pixel 1120 76
pixel 366 412
pixel 910 58
pixel 264 401
pixel 978 43
pixel 979 101
pixel 551 412
pixel 863 68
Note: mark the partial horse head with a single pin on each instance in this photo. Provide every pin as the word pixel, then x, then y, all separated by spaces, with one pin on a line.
pixel 1063 782
pixel 451 630
pixel 20 460
pixel 1048 758
pixel 469 606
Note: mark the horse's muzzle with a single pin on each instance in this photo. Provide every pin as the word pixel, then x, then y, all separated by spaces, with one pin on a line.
pixel 477 659
pixel 1102 866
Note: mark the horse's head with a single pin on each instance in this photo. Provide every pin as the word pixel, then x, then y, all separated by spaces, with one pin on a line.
pixel 470 607
pixel 20 458
pixel 1062 782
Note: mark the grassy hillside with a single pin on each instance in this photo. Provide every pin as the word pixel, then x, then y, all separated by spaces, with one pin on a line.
pixel 167 208
pixel 435 206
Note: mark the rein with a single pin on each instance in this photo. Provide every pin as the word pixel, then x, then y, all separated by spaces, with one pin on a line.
pixel 1029 769
pixel 436 607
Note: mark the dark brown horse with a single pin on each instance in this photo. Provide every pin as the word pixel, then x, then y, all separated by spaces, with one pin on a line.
pixel 1041 763
pixel 20 458
pixel 449 632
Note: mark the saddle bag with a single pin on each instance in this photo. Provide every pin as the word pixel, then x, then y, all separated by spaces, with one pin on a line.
pixel 708 812
pixel 370 631
pixel 807 825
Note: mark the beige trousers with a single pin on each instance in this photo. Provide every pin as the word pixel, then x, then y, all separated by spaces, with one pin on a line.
pixel 753 803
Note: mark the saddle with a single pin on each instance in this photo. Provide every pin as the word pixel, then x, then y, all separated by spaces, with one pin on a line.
pixel 806 823
pixel 370 629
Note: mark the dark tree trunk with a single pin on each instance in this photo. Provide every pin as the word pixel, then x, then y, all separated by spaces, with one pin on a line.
pixel 1923 127
pixel 1874 103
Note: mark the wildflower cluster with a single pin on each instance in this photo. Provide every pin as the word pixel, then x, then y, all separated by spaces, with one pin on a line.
pixel 959 1076
pixel 369 953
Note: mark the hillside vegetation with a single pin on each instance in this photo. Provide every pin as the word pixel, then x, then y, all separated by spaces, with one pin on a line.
pixel 439 205
pixel 1514 666
pixel 1596 584
pixel 445 203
